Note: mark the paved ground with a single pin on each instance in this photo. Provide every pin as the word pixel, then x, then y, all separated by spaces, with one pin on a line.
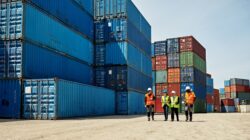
pixel 219 126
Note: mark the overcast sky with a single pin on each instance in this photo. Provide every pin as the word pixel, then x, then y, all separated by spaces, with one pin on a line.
pixel 221 26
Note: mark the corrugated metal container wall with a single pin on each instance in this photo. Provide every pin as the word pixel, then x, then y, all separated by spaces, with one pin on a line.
pixel 228 95
pixel 238 88
pixel 173 45
pixel 65 99
pixel 10 98
pixel 227 89
pixel 174 75
pixel 173 60
pixel 158 107
pixel 243 95
pixel 210 108
pixel 153 78
pixel 159 88
pixel 176 88
pixel 129 103
pixel 152 50
pixel 51 34
pixel 227 108
pixel 161 76
pixel 192 59
pixel 227 102
pixel 72 13
pixel 100 77
pixel 227 83
pixel 189 43
pixel 199 90
pixel 26 60
pixel 161 62
pixel 160 48
pixel 222 91
pixel 191 74
pixel 153 63
pixel 210 82
pixel 200 106
pixel 236 81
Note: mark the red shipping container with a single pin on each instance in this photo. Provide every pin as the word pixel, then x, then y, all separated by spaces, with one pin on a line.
pixel 227 89
pixel 159 88
pixel 216 99
pixel 158 107
pixel 174 87
pixel 189 43
pixel 209 99
pixel 238 88
pixel 153 63
pixel 228 95
pixel 216 92
pixel 161 62
pixel 174 75
pixel 216 108
pixel 227 102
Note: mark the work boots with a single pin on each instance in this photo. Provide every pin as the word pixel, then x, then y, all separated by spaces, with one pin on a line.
pixel 191 116
pixel 186 113
pixel 148 118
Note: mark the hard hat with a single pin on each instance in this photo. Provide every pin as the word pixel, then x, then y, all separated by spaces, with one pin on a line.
pixel 149 89
pixel 188 88
pixel 164 91
pixel 173 92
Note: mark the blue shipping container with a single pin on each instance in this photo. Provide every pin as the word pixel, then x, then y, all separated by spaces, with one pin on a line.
pixel 228 109
pixel 227 83
pixel 25 60
pixel 160 48
pixel 210 82
pixel 210 90
pixel 123 53
pixel 10 99
pixel 152 50
pixel 199 90
pixel 210 108
pixel 121 29
pixel 191 74
pixel 130 103
pixel 44 30
pixel 122 8
pixel 222 91
pixel 65 99
pixel 173 45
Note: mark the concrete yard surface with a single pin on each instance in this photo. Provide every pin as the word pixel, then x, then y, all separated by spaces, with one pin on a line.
pixel 231 126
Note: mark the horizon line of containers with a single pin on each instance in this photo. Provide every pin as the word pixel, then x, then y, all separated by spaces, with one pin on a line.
pixel 51 54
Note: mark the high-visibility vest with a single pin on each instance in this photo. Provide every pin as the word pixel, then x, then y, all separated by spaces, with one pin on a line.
pixel 174 102
pixel 149 99
pixel 165 101
pixel 189 98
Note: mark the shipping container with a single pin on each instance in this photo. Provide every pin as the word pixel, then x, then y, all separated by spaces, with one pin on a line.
pixel 210 81
pixel 152 50
pixel 130 103
pixel 192 59
pixel 238 88
pixel 200 106
pixel 174 87
pixel 228 109
pixel 227 83
pixel 161 62
pixel 216 92
pixel 158 107
pixel 153 63
pixel 44 30
pixel 222 96
pixel 174 75
pixel 209 99
pixel 227 95
pixel 106 9
pixel 22 59
pixel 173 45
pixel 72 13
pixel 210 108
pixel 160 48
pixel 243 95
pixel 161 76
pixel 56 98
pixel 210 90
pixel 227 102
pixel 160 88
pixel 237 81
pixel 227 89
pixel 189 43
pixel 122 78
pixel 153 78
pixel 191 74
pixel 123 53
pixel 222 91
pixel 197 88
pixel 173 60
pixel 217 108
pixel 216 99
pixel 10 98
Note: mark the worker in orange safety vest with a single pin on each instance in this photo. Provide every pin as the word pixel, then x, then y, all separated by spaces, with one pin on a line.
pixel 150 103
pixel 189 103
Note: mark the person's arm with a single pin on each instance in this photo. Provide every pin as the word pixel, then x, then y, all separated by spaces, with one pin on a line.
pixel 145 100
pixel 178 101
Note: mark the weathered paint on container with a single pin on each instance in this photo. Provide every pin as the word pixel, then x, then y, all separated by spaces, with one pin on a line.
pixel 10 99
pixel 174 87
pixel 192 59
pixel 174 75
pixel 130 103
pixel 160 48
pixel 65 99
pixel 161 62
pixel 22 59
pixel 160 88
pixel 158 107
pixel 191 74
pixel 173 60
pixel 161 76
pixel 28 23
pixel 173 45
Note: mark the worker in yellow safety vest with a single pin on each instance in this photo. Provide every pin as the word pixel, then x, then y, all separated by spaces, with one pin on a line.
pixel 165 100
pixel 189 103
pixel 150 103
pixel 175 105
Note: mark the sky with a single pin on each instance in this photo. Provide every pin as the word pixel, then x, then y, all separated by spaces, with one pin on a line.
pixel 221 26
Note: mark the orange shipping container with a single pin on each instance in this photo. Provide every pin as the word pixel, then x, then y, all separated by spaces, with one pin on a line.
pixel 227 89
pixel 153 64
pixel 161 62
pixel 159 88
pixel 227 95
pixel 216 92
pixel 237 88
pixel 174 75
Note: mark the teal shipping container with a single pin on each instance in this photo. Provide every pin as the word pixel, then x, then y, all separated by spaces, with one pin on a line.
pixel 57 98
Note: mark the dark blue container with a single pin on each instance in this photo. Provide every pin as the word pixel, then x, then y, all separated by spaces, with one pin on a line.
pixel 26 60
pixel 10 99
pixel 130 103
pixel 77 14
pixel 199 90
pixel 173 45
pixel 160 48
pixel 210 90
pixel 191 74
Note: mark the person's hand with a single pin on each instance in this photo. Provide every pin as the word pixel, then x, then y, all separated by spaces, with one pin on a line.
pixel 145 106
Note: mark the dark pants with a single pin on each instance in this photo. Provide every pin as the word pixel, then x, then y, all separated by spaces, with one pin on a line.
pixel 165 108
pixel 189 112
pixel 174 111
pixel 150 110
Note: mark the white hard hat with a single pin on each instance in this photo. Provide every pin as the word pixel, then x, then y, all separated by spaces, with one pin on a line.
pixel 173 92
pixel 188 88
pixel 149 89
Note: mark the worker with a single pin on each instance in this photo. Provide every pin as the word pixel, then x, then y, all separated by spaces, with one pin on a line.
pixel 175 105
pixel 189 103
pixel 165 100
pixel 150 103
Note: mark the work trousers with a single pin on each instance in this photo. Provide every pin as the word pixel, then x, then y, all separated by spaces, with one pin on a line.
pixel 176 112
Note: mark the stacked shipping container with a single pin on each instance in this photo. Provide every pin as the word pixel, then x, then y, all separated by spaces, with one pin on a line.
pixel 41 39
pixel 210 94
pixel 180 62
pixel 216 99
pixel 122 53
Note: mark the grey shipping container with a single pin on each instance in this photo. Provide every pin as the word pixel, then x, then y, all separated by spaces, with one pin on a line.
pixel 160 48
pixel 173 60
pixel 173 45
